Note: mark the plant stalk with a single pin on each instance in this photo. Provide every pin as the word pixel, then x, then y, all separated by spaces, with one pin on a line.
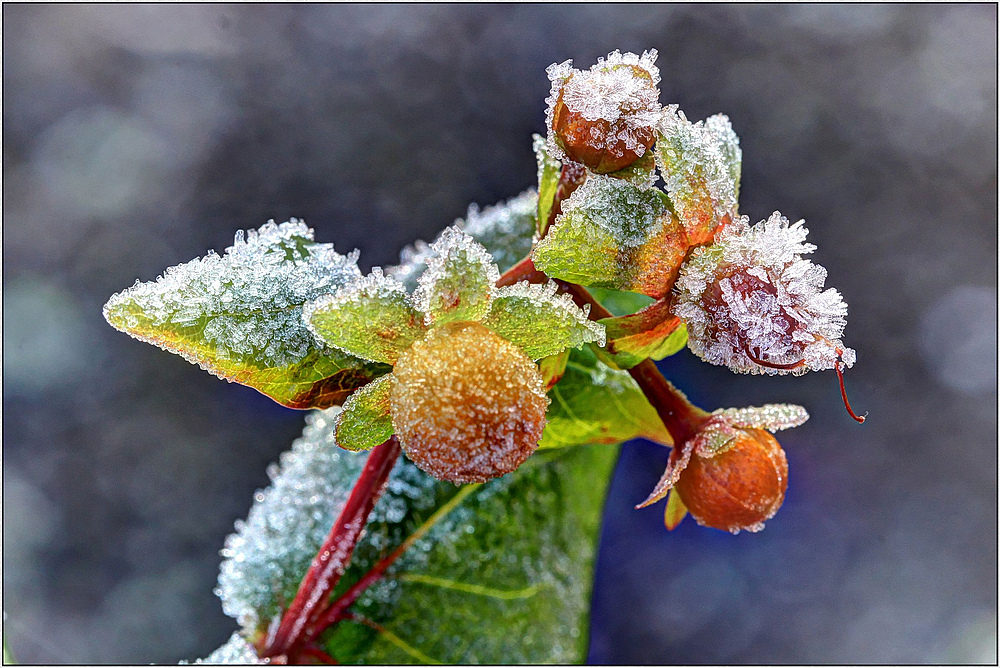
pixel 331 561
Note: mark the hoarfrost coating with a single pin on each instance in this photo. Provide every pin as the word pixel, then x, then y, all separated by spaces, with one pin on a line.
pixel 753 304
pixel 247 302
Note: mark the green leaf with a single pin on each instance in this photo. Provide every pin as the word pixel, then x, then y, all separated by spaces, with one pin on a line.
pixel 653 332
pixel 595 404
pixel 614 234
pixel 239 315
pixel 366 421
pixel 372 318
pixel 539 321
pixel 620 302
pixel 553 367
pixel 548 181
pixel 502 575
pixel 700 163
pixel 675 511
pixel 459 279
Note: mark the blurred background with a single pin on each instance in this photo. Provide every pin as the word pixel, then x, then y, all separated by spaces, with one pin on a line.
pixel 136 137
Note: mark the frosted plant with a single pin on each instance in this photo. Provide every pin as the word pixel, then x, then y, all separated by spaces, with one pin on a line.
pixel 753 304
pixel 478 545
pixel 465 398
pixel 604 117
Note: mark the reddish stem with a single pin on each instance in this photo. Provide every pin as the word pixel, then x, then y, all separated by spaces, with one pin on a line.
pixel 522 271
pixel 335 554
pixel 843 393
pixel 681 418
pixel 319 655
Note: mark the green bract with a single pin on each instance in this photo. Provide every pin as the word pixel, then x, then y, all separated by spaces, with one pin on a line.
pixel 239 315
pixel 374 318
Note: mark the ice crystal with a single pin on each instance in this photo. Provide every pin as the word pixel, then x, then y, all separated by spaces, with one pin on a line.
pixel 540 321
pixel 504 229
pixel 753 304
pixel 700 167
pixel 246 303
pixel 619 90
pixel 773 417
pixel 236 651
pixel 624 211
pixel 459 280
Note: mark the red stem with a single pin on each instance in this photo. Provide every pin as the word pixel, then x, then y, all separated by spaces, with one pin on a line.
pixel 335 554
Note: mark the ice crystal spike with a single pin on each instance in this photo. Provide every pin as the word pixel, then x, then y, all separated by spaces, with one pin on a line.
pixel 467 405
pixel 504 229
pixel 603 117
pixel 365 421
pixel 700 166
pixel 753 304
pixel 458 281
pixel 372 318
pixel 238 315
pixel 541 322
pixel 614 234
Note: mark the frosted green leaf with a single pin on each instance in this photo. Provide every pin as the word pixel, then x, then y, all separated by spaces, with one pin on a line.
pixel 239 315
pixel 503 576
pixel 595 404
pixel 365 421
pixel 548 180
pixel 372 318
pixel 700 166
pixel 773 417
pixel 641 173
pixel 458 281
pixel 539 321
pixel 729 146
pixel 614 234
pixel 504 229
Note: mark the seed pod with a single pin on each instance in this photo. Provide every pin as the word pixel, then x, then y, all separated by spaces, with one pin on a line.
pixel 467 405
pixel 739 486
pixel 604 117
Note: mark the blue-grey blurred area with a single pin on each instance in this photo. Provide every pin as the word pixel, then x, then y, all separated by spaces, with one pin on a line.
pixel 136 137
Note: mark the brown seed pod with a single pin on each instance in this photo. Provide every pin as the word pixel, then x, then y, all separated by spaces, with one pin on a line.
pixel 739 487
pixel 467 405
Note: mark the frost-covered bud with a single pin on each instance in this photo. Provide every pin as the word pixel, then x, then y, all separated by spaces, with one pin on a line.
pixel 604 117
pixel 737 487
pixel 467 404
pixel 753 304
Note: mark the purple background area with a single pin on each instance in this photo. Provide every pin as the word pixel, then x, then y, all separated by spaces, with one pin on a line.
pixel 138 136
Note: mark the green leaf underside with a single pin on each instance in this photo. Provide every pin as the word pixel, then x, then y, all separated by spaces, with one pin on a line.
pixel 365 421
pixel 675 510
pixel 239 316
pixel 506 577
pixel 548 180
pixel 595 404
pixel 372 318
pixel 540 322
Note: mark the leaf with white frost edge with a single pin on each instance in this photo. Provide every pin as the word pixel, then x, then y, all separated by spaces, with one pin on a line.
pixel 549 170
pixel 366 420
pixel 239 315
pixel 458 281
pixel 372 318
pixel 539 321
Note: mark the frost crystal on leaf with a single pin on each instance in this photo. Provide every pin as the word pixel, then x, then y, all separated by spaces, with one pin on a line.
pixel 245 304
pixel 753 304
pixel 773 417
pixel 541 322
pixel 458 281
pixel 236 651
pixel 700 166
pixel 372 318
pixel 619 90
